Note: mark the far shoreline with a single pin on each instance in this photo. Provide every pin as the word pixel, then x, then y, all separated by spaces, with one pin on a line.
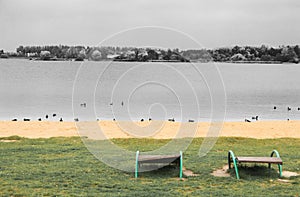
pixel 154 61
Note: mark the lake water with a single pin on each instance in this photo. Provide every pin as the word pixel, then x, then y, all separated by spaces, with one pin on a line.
pixel 130 90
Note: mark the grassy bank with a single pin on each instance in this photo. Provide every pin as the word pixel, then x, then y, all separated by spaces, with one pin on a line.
pixel 64 167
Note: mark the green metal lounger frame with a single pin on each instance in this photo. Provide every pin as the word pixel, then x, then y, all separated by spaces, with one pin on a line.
pixel 270 160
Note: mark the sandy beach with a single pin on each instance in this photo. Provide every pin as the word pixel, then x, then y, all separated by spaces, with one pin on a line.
pixel 153 129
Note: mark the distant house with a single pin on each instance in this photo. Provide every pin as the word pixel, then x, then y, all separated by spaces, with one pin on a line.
pixel 12 54
pixel 32 54
pixel 3 55
pixel 45 55
pixel 113 56
pixel 238 57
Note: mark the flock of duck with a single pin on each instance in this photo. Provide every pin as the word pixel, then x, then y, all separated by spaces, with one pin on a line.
pixel 84 105
pixel 274 108
pixel 40 119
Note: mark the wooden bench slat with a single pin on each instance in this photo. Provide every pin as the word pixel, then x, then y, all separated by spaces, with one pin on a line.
pixel 157 158
pixel 275 160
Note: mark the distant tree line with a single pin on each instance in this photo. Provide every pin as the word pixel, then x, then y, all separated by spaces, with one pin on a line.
pixel 246 54
pixel 263 53
pixel 99 53
pixel 224 54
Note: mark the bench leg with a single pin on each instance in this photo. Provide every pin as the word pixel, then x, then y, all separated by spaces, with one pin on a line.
pixel 136 164
pixel 279 165
pixel 181 165
pixel 280 170
pixel 231 156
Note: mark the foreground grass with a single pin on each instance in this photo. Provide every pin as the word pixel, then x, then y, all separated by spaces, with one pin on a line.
pixel 64 167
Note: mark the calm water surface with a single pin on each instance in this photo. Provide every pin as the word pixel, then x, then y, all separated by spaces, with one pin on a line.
pixel 32 89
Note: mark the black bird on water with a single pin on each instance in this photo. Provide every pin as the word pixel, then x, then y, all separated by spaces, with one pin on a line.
pixel 274 107
pixel 289 109
pixel 254 117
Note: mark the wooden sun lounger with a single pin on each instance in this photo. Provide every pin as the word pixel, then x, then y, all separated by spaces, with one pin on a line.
pixel 165 159
pixel 270 160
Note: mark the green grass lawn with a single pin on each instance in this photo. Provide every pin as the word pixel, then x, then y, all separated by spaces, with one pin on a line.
pixel 64 167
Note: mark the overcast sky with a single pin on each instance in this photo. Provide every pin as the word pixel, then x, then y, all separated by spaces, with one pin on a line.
pixel 213 23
